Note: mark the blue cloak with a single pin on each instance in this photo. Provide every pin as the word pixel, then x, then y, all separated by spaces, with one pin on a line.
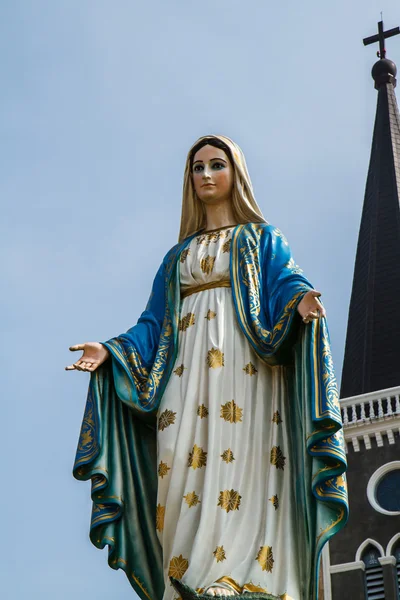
pixel 117 447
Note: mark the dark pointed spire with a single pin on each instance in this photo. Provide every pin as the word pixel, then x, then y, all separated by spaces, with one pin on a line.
pixel 372 353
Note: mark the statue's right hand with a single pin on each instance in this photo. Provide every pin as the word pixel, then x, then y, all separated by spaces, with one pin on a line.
pixel 94 354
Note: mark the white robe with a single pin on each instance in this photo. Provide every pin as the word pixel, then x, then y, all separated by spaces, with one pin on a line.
pixel 225 509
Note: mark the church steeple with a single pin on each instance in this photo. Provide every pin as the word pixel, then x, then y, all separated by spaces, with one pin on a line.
pixel 372 352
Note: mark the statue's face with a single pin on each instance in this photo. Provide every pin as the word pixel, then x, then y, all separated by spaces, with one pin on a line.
pixel 212 175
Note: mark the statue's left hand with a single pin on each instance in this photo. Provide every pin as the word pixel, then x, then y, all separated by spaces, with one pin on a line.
pixel 310 307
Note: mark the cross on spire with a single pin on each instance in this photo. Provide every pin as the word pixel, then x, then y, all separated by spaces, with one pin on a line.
pixel 380 37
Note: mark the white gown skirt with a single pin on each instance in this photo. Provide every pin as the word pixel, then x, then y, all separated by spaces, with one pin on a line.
pixel 225 507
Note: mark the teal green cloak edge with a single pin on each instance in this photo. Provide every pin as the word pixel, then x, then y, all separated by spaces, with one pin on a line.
pixel 117 448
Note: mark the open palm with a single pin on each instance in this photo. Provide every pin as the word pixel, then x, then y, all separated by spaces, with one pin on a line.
pixel 94 354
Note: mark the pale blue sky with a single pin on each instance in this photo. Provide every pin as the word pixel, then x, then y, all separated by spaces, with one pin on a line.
pixel 100 102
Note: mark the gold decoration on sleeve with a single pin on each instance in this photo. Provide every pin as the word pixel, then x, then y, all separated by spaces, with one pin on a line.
pixel 187 321
pixel 197 458
pixel 265 558
pixel 163 469
pixel 277 459
pixel 227 456
pixel 219 553
pixel 184 255
pixel 275 501
pixel 179 370
pixel 178 567
pixel 231 412
pixel 250 369
pixel 226 246
pixel 166 419
pixel 160 514
pixel 215 358
pixel 229 500
pixel 207 264
pixel 210 314
pixel 202 411
pixel 277 418
pixel 192 499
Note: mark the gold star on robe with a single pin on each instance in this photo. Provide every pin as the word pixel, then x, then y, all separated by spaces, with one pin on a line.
pixel 231 412
pixel 207 264
pixel 197 458
pixel 277 418
pixel 227 456
pixel 229 500
pixel 166 419
pixel 178 567
pixel 265 558
pixel 210 314
pixel 160 514
pixel 163 469
pixel 226 246
pixel 275 501
pixel 250 369
pixel 202 411
pixel 192 499
pixel 219 553
pixel 277 459
pixel 187 321
pixel 179 370
pixel 184 255
pixel 215 358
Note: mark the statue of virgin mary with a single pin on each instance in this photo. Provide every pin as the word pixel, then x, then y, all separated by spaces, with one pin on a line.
pixel 212 433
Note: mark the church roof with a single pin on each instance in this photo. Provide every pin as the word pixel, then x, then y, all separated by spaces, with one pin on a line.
pixel 372 352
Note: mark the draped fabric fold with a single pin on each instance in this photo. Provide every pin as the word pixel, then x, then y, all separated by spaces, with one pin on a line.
pixel 118 442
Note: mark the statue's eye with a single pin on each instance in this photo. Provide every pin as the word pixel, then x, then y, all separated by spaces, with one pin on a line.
pixel 197 168
pixel 218 165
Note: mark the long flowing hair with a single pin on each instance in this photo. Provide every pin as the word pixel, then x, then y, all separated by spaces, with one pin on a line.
pixel 245 207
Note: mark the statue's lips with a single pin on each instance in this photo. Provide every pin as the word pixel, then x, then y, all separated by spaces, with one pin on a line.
pixel 208 184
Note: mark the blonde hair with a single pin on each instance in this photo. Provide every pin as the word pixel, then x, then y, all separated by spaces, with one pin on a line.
pixel 245 207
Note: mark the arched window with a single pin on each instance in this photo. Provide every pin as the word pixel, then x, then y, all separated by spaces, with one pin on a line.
pixel 373 573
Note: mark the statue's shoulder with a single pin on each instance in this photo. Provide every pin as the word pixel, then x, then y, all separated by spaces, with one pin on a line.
pixel 263 232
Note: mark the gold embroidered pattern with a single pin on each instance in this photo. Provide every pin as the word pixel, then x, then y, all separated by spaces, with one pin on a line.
pixel 166 419
pixel 192 499
pixel 210 314
pixel 202 411
pixel 227 456
pixel 265 558
pixel 277 459
pixel 197 458
pixel 291 265
pixel 275 501
pixel 184 255
pixel 163 469
pixel 160 514
pixel 179 370
pixel 277 418
pixel 229 500
pixel 207 264
pixel 187 321
pixel 231 412
pixel 178 567
pixel 219 553
pixel 213 236
pixel 250 369
pixel 215 358
pixel 227 246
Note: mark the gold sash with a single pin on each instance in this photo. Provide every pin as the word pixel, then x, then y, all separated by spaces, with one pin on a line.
pixel 194 289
